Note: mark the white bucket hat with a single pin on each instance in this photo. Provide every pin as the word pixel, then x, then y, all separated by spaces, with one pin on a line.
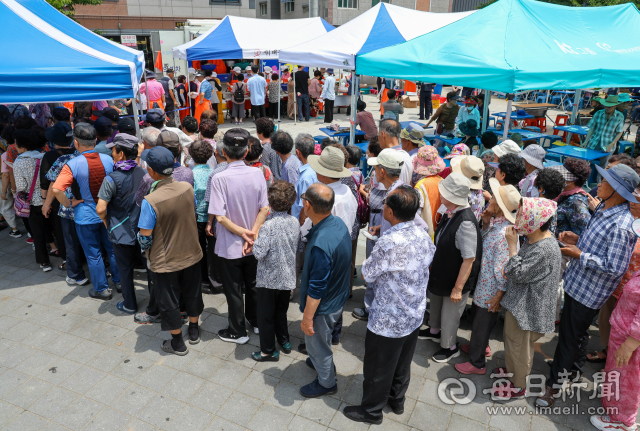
pixel 506 147
pixel 471 167
pixel 455 188
pixel 534 154
pixel 507 198
pixel 329 163
pixel 388 158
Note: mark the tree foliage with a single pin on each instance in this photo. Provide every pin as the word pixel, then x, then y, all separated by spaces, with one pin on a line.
pixel 67 7
pixel 576 3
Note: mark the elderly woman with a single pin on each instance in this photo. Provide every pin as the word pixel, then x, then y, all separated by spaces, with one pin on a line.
pixel 472 168
pixel 532 274
pixel 427 164
pixel 499 215
pixel 573 205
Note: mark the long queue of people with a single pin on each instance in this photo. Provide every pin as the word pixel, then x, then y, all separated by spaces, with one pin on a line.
pixel 259 217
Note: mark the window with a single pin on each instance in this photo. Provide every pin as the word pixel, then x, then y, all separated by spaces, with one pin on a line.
pixel 252 4
pixel 225 2
pixel 375 2
pixel 263 9
pixel 348 4
pixel 288 6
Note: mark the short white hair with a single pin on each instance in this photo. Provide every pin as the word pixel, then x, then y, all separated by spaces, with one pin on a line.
pixel 150 136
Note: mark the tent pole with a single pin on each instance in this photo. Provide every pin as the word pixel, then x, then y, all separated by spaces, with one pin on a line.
pixel 136 120
pixel 354 97
pixel 188 90
pixel 507 120
pixel 574 112
pixel 485 110
pixel 547 99
pixel 146 87
pixel 279 88
pixel 295 98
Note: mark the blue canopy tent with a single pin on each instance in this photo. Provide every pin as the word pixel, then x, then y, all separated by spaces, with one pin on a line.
pixel 50 58
pixel 518 45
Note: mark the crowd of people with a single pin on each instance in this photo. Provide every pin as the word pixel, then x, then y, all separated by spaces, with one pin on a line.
pixel 257 217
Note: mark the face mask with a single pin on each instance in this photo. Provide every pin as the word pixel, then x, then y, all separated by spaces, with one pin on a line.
pixel 470 109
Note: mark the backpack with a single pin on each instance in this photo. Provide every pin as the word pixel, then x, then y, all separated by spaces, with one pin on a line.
pixel 363 207
pixel 238 95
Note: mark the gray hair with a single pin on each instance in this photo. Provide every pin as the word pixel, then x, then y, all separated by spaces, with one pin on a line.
pixel 318 202
pixel 393 173
pixel 305 144
pixel 150 136
pixel 219 147
pixel 235 153
pixel 85 142
pixel 391 127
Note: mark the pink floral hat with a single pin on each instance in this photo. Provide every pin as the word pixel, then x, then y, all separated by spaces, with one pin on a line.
pixel 459 150
pixel 428 162
pixel 533 213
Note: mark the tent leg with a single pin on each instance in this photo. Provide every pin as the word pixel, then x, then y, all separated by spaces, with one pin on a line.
pixel 295 100
pixel 146 87
pixel 136 120
pixel 355 90
pixel 279 88
pixel 485 110
pixel 574 112
pixel 507 120
pixel 547 99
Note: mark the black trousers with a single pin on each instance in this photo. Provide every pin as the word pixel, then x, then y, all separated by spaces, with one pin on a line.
pixel 426 108
pixel 202 239
pixel 214 261
pixel 483 323
pixel 328 110
pixel 172 288
pixel 234 272
pixel 272 318
pixel 127 256
pixel 387 371
pixel 573 337
pixel 273 109
pixel 152 306
pixel 40 225
pixel 56 222
pixel 258 111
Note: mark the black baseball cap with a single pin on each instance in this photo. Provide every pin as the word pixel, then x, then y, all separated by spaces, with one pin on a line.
pixel 60 113
pixel 159 159
pixel 236 137
pixel 59 134
pixel 154 115
pixel 111 114
pixel 127 125
pixel 84 131
pixel 103 126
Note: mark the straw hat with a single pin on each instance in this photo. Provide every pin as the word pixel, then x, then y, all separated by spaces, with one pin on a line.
pixel 507 197
pixel 455 188
pixel 471 167
pixel 329 163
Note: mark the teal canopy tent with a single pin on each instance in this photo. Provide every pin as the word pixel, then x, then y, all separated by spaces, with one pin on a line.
pixel 518 45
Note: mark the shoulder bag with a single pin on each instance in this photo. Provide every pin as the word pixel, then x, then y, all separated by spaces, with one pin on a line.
pixel 22 204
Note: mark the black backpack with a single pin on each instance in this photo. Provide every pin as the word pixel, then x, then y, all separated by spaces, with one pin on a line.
pixel 238 95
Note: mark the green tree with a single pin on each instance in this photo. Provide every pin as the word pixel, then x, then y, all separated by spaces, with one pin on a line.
pixel 588 3
pixel 67 7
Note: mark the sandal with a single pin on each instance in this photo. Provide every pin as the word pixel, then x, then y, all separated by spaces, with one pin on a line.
pixel 167 347
pixel 595 357
pixel 54 253
pixel 63 265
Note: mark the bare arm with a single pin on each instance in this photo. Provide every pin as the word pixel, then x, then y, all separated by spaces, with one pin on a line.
pixel 262 215
pixel 101 209
pixel 463 276
pixel 62 197
pixel 307 318
pixel 46 207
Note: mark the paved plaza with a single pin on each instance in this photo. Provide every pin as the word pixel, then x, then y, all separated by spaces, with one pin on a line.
pixel 69 362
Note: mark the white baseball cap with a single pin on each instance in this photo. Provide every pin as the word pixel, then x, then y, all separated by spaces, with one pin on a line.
pixel 387 158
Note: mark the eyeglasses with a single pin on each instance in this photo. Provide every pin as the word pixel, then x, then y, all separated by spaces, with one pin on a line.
pixel 304 198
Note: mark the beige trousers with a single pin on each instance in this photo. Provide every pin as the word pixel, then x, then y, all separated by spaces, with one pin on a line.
pixel 445 315
pixel 518 350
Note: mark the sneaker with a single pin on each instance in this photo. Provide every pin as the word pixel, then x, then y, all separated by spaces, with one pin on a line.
pixel 444 355
pixel 29 235
pixel 71 281
pixel 225 335
pixel 45 267
pixel 120 306
pixel 315 389
pixel 427 335
pixel 605 423
pixel 358 414
pixel 256 330
pixel 104 295
pixel 118 287
pixel 30 240
pixel 54 253
pixel 465 349
pixel 467 368
pixel 360 313
pixel 15 234
pixel 146 319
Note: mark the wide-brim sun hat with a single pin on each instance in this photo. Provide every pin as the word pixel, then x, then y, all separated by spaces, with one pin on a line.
pixel 455 188
pixel 470 128
pixel 329 163
pixel 506 147
pixel 533 213
pixel 611 100
pixel 428 162
pixel 622 179
pixel 507 197
pixel 471 167
pixel 459 150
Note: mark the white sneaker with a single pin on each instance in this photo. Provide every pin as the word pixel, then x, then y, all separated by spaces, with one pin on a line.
pixel 71 281
pixel 256 330
pixel 45 267
pixel 605 423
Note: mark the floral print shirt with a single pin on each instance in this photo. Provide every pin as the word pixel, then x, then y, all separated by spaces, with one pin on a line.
pixel 495 255
pixel 272 91
pixel 476 202
pixel 572 214
pixel 275 248
pixel 52 176
pixel 200 179
pixel 398 273
pixel 634 266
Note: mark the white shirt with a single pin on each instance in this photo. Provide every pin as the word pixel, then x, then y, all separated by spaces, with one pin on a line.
pixel 345 207
pixel 257 87
pixel 329 88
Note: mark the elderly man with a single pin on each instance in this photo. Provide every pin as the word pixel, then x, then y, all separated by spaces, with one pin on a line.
pixel 282 144
pixel 324 286
pixel 265 129
pixel 149 137
pixel 455 268
pixel 398 273
pixel 157 118
pixel 168 86
pixel 240 205
pixel 305 146
pixel 601 256
pixel 389 137
pixel 605 128
pixel 411 139
pixel 387 167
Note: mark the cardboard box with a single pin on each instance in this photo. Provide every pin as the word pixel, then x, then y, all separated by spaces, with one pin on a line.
pixel 410 101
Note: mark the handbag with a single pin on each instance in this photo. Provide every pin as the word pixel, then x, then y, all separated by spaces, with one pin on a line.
pixel 22 204
pixel 439 129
